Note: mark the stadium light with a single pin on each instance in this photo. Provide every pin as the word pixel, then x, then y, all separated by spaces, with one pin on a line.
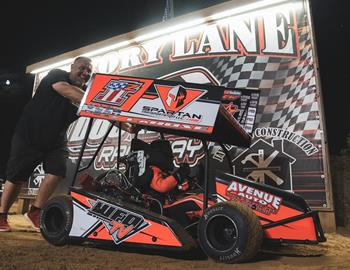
pixel 54 65
pixel 245 8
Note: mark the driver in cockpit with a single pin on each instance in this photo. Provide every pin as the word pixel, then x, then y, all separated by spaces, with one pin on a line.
pixel 158 178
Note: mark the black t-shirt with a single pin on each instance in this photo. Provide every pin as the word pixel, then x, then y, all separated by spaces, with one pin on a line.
pixel 47 116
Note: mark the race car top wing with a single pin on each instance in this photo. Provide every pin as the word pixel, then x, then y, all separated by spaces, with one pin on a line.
pixel 186 109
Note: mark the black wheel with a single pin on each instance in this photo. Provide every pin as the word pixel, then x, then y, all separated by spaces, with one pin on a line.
pixel 230 232
pixel 56 220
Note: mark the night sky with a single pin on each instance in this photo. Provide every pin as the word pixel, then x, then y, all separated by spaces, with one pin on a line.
pixel 32 32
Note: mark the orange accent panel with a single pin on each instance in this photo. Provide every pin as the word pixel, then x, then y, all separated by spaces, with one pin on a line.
pixel 81 198
pixel 221 190
pixel 164 236
pixel 102 234
pixel 197 198
pixel 303 229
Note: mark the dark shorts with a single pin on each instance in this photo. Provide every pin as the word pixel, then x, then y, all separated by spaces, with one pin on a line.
pixel 24 158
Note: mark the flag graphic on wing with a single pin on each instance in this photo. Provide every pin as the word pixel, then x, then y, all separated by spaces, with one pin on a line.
pixel 116 92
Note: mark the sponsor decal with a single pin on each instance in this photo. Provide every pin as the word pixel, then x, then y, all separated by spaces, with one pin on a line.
pixel 266 163
pixel 190 127
pixel 304 144
pixel 117 92
pixel 192 117
pixel 242 105
pixel 176 98
pixel 256 199
pixel 231 97
pixel 119 222
pixel 101 110
pixel 231 108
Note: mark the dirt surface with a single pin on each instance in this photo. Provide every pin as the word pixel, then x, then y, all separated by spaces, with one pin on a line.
pixel 24 249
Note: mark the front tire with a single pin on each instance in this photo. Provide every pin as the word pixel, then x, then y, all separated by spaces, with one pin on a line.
pixel 230 232
pixel 56 220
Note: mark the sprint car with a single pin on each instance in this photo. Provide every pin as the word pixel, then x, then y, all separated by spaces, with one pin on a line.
pixel 230 217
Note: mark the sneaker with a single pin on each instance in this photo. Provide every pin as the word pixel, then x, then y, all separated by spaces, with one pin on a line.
pixel 4 225
pixel 33 217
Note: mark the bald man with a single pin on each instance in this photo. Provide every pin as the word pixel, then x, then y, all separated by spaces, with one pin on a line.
pixel 40 137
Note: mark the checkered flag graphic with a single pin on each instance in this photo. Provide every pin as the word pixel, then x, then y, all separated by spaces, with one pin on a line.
pixel 287 85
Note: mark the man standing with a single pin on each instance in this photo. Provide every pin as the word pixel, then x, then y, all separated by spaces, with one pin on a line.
pixel 40 137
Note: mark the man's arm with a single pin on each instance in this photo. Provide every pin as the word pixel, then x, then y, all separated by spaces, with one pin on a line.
pixel 73 93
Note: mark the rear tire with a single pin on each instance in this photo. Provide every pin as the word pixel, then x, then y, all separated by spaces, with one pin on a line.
pixel 230 232
pixel 56 220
